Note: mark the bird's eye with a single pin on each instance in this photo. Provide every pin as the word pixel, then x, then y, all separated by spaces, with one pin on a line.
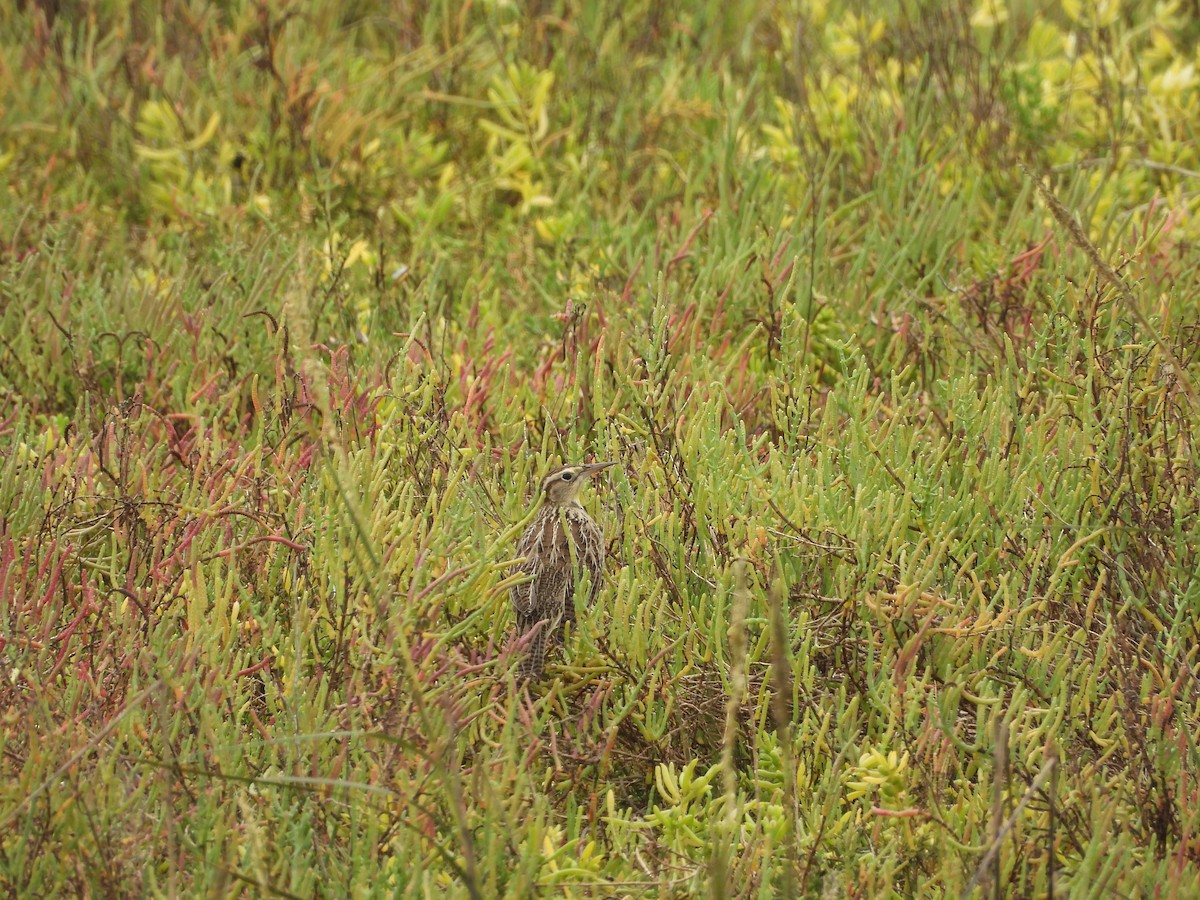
pixel 567 476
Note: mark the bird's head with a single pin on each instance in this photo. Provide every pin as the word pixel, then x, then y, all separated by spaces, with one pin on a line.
pixel 562 486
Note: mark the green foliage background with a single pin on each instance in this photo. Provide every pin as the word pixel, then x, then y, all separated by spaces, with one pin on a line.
pixel 887 310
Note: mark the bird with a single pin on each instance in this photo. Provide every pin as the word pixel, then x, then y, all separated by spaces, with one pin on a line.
pixel 560 544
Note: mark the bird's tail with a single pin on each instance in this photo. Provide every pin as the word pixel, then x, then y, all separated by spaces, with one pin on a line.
pixel 540 644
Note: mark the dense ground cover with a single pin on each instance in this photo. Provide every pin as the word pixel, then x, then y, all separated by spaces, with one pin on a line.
pixel 888 312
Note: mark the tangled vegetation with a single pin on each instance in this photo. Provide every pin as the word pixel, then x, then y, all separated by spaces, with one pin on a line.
pixel 887 310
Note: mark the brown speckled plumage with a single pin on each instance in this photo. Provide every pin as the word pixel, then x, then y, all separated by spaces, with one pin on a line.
pixel 560 544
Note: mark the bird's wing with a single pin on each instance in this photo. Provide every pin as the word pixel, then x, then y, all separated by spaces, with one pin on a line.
pixel 589 550
pixel 548 559
pixel 522 595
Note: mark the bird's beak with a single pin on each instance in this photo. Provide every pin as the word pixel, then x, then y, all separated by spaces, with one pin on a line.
pixel 595 468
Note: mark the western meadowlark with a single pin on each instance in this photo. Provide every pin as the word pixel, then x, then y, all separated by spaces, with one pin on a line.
pixel 560 544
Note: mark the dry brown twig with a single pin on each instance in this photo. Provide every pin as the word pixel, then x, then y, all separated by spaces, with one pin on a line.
pixel 1067 220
